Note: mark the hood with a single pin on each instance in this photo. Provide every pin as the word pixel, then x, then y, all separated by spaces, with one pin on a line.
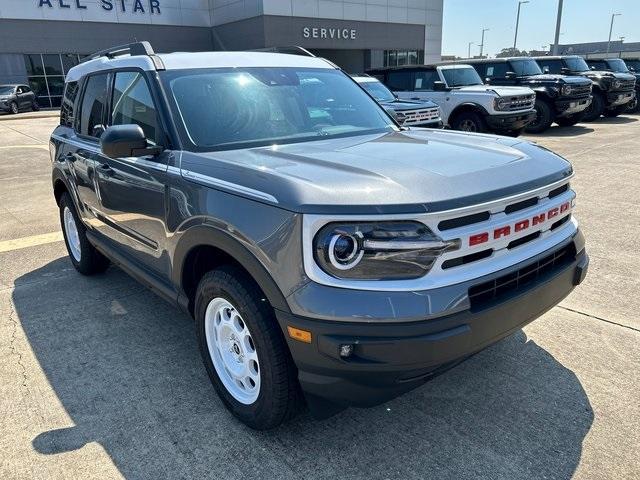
pixel 403 105
pixel 500 91
pixel 552 77
pixel 397 172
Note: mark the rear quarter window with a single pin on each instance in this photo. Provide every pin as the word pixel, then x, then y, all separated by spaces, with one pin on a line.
pixel 67 110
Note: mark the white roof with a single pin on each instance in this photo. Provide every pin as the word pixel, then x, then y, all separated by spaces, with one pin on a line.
pixel 454 66
pixel 363 79
pixel 177 61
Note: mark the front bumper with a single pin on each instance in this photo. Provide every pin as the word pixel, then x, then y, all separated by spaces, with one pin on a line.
pixel 391 358
pixel 615 99
pixel 564 108
pixel 510 121
pixel 431 124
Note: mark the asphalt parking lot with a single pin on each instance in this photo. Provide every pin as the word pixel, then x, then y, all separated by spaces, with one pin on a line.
pixel 99 378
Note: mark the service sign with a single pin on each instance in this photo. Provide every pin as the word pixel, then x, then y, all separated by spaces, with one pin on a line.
pixel 151 7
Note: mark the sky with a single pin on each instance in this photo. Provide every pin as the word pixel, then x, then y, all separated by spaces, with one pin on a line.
pixel 582 21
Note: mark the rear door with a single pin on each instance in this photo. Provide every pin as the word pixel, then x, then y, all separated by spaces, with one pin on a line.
pixel 132 190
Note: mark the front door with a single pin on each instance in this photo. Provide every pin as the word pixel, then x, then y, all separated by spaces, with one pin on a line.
pixel 132 190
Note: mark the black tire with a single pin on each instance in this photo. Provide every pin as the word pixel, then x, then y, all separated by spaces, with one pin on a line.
pixel 91 261
pixel 544 117
pixel 571 120
pixel 596 109
pixel 13 108
pixel 614 112
pixel 35 106
pixel 469 122
pixel 279 398
pixel 634 105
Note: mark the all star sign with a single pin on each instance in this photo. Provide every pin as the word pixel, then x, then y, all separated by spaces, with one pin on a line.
pixel 124 6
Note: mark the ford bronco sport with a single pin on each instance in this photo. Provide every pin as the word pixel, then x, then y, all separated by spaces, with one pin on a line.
pixel 611 91
pixel 619 65
pixel 13 98
pixel 465 102
pixel 328 255
pixel 559 98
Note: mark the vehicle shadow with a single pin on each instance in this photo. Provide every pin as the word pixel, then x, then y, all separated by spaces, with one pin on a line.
pixel 126 367
pixel 622 119
pixel 558 131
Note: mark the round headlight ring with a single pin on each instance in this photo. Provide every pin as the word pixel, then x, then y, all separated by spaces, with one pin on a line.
pixel 345 251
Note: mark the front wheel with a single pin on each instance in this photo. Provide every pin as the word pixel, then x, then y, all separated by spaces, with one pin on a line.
pixel 14 108
pixel 544 117
pixel 570 120
pixel 514 133
pixel 633 106
pixel 244 351
pixel 35 106
pixel 84 256
pixel 468 122
pixel 596 108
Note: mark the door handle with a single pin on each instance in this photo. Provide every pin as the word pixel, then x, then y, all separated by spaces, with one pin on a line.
pixel 105 169
pixel 415 98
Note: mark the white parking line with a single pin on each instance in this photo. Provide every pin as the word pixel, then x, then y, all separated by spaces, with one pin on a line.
pixel 32 241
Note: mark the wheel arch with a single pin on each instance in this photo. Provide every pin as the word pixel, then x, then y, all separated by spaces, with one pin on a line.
pixel 467 107
pixel 203 248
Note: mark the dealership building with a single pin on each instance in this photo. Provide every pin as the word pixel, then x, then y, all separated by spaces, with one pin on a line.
pixel 41 39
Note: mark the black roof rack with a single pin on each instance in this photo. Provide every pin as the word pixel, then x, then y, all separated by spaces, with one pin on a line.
pixel 132 49
pixel 291 50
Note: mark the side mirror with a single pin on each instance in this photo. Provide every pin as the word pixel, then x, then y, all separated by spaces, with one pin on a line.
pixel 487 80
pixel 440 86
pixel 510 75
pixel 565 71
pixel 593 67
pixel 546 70
pixel 120 141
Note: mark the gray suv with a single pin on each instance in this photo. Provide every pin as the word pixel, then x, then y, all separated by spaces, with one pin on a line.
pixel 329 257
pixel 13 98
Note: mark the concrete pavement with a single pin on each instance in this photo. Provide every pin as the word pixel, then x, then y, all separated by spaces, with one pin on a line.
pixel 99 378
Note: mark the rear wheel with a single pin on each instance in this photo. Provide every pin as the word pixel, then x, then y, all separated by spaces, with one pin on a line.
pixel 468 122
pixel 596 108
pixel 13 107
pixel 244 351
pixel 84 256
pixel 614 112
pixel 570 120
pixel 34 106
pixel 544 117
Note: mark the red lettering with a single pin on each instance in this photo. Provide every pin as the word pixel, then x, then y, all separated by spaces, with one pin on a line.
pixel 521 225
pixel 553 212
pixel 478 239
pixel 539 219
pixel 501 232
pixel 564 207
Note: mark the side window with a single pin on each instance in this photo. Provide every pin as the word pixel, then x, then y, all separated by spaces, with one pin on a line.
pixel 132 104
pixel 67 114
pixel 25 89
pixel 496 70
pixel 599 65
pixel 424 80
pixel 554 66
pixel 399 81
pixel 93 105
pixel 19 90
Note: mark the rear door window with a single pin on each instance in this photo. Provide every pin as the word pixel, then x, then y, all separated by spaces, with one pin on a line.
pixel 554 66
pixel 424 80
pixel 93 106
pixel 496 70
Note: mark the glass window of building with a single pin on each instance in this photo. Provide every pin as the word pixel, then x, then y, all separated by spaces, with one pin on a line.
pixel 46 75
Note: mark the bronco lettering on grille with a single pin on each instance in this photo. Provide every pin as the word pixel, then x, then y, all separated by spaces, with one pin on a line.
pixel 519 226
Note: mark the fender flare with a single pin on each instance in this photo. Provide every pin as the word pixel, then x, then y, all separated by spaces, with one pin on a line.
pixel 203 235
pixel 470 106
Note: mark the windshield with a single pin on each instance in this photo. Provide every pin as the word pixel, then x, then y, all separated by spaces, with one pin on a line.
pixel 461 77
pixel 576 64
pixel 229 108
pixel 6 89
pixel 378 91
pixel 617 65
pixel 525 67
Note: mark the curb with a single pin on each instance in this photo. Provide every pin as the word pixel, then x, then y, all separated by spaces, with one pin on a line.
pixel 29 115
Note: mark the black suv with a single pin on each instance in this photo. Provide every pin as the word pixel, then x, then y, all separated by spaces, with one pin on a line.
pixel 559 98
pixel 612 92
pixel 13 98
pixel 618 65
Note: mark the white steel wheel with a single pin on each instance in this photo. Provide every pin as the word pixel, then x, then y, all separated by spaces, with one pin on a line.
pixel 73 238
pixel 232 351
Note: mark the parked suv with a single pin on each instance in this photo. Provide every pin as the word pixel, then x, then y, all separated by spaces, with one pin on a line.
pixel 465 102
pixel 611 91
pixel 407 112
pixel 618 65
pixel 328 255
pixel 13 98
pixel 559 98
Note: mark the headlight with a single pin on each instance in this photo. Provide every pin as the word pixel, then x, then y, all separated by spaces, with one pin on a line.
pixel 378 250
pixel 616 84
pixel 501 103
pixel 566 90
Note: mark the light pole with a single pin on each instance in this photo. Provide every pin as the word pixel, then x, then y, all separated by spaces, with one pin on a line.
pixel 515 38
pixel 558 23
pixel 482 43
pixel 469 49
pixel 613 17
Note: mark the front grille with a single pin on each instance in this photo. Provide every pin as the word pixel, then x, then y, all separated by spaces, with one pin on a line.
pixel 579 91
pixel 463 221
pixel 488 293
pixel 626 86
pixel 419 116
pixel 523 102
